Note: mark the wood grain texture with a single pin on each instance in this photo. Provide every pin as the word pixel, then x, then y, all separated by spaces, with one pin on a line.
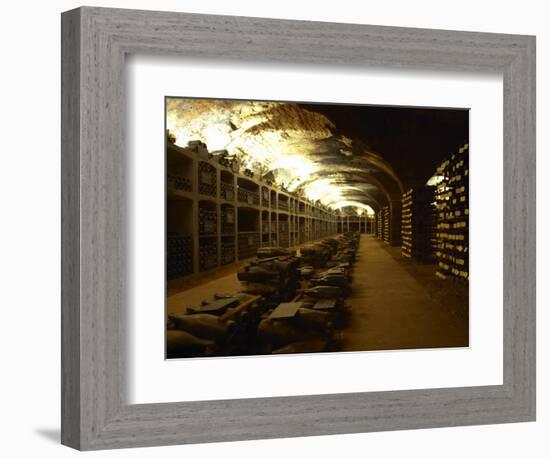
pixel 96 414
pixel 70 229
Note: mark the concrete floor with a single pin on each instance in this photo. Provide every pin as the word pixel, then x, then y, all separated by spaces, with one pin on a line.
pixel 396 303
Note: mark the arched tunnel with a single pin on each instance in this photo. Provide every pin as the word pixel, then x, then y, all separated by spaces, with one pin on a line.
pixel 252 177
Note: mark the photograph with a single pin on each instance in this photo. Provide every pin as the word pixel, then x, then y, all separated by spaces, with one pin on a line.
pixel 302 227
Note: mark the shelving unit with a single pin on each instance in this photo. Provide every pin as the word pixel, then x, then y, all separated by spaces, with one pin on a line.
pixel 364 224
pixel 380 225
pixel 453 216
pixel 227 186
pixel 418 223
pixel 386 224
pixel 284 238
pixel 216 216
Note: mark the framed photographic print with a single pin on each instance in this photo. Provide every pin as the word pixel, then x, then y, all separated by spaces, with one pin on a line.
pixel 287 228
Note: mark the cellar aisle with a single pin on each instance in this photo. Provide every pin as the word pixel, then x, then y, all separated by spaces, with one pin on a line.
pixel 391 309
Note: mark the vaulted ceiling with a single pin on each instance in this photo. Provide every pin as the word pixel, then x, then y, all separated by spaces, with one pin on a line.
pixel 346 156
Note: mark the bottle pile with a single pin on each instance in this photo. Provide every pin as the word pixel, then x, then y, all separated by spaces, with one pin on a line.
pixel 265 197
pixel 315 255
pixel 228 219
pixel 227 191
pixel 272 314
pixel 228 250
pixel 208 220
pixel 208 253
pixel 248 244
pixel 225 326
pixel 207 179
pixel 418 223
pixel 247 196
pixel 307 324
pixel 274 278
pixel 179 255
pixel 452 250
pixel 178 183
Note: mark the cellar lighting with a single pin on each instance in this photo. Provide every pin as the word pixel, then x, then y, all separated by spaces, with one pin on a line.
pixel 435 180
pixel 281 138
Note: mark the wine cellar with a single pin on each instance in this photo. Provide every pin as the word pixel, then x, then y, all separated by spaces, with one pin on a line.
pixel 311 252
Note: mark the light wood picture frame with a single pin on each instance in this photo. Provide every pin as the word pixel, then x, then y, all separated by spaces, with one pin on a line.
pixel 95 410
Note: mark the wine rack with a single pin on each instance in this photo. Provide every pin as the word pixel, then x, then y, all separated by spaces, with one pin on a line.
pixel 208 253
pixel 453 216
pixel 179 183
pixel 227 191
pixel 228 254
pixel 207 179
pixel 283 233
pixel 265 197
pixel 302 234
pixel 273 200
pixel 228 219
pixel 418 223
pixel 216 218
pixel 179 255
pixel 248 244
pixel 247 196
pixel 386 224
pixel 265 226
pixel 208 221
pixel 379 225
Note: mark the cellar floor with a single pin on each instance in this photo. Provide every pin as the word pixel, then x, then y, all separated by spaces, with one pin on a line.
pixel 396 303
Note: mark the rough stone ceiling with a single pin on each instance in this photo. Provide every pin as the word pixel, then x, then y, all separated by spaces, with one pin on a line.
pixel 300 143
pixel 299 146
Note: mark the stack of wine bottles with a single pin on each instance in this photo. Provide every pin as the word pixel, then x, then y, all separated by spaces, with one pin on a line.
pixel 179 255
pixel 283 233
pixel 302 232
pixel 227 191
pixel 179 183
pixel 265 197
pixel 208 253
pixel 207 221
pixel 207 179
pixel 418 223
pixel 386 224
pixel 275 278
pixel 248 244
pixel 228 250
pixel 247 196
pixel 379 224
pixel 228 219
pixel 223 326
pixel 283 204
pixel 453 216
pixel 199 148
pixel 265 226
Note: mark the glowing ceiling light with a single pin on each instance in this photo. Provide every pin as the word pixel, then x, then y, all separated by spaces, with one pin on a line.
pixel 291 171
pixel 435 180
